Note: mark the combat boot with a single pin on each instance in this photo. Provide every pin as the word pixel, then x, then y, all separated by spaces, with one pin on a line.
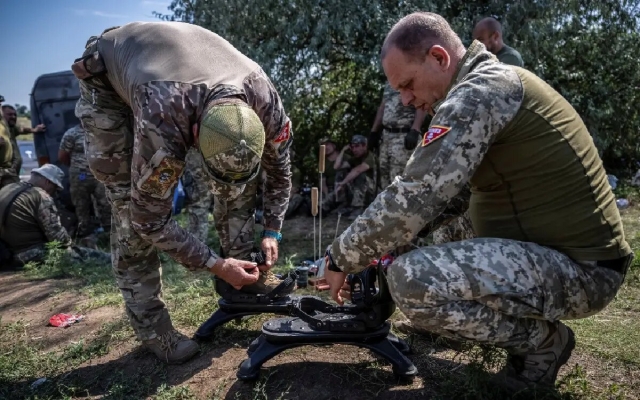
pixel 265 284
pixel 406 327
pixel 539 368
pixel 172 347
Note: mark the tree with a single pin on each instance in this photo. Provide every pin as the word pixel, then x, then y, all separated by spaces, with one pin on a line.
pixel 22 111
pixel 323 56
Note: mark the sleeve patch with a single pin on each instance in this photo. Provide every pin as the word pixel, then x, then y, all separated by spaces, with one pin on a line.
pixel 434 133
pixel 161 175
pixel 284 134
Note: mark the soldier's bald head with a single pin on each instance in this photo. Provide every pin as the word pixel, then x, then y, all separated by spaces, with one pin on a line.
pixel 419 57
pixel 490 24
pixel 489 32
pixel 417 32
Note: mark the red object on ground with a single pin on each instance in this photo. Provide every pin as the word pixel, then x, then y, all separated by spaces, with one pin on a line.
pixel 64 320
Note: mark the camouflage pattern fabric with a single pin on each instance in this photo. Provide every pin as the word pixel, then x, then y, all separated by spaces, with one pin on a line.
pixel 7 159
pixel 497 291
pixel 393 156
pixel 83 186
pixel 357 192
pixel 17 156
pixel 234 218
pixel 200 198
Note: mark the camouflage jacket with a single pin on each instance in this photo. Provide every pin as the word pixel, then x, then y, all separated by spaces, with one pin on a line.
pixel 481 101
pixel 396 115
pixel 73 143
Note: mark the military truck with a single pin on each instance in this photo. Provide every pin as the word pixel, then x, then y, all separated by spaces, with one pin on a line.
pixel 53 103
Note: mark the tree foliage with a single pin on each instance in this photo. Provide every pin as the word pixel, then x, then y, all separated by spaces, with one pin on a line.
pixel 323 56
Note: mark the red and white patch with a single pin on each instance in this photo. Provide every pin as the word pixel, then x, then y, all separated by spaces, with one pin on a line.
pixel 434 133
pixel 284 134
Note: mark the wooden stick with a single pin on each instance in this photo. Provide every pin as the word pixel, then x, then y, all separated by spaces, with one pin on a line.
pixel 321 158
pixel 314 212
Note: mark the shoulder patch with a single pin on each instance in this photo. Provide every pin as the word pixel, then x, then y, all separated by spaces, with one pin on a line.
pixel 284 134
pixel 162 174
pixel 434 133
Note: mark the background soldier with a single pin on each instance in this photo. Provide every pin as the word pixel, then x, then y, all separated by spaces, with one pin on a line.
pixel 32 219
pixel 11 116
pixel 401 131
pixel 488 31
pixel 84 187
pixel 7 158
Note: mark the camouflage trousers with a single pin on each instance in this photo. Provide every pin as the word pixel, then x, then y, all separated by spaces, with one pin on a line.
pixel 393 157
pixel 497 291
pixel 199 197
pixel 460 228
pixel 84 189
pixel 358 192
pixel 108 122
pixel 76 253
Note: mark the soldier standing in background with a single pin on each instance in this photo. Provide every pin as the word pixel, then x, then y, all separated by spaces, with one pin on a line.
pixel 488 31
pixel 11 116
pixel 401 132
pixel 83 186
pixel 8 174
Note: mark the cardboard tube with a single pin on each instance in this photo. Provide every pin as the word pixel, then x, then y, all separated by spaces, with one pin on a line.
pixel 321 159
pixel 314 201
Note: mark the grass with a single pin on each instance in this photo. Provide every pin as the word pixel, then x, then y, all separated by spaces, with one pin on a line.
pixel 608 338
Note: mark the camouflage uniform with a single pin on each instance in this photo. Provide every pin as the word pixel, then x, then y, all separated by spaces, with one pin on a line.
pixel 139 129
pixel 83 185
pixel 396 122
pixel 538 258
pixel 46 216
pixel 200 199
pixel 7 156
pixel 17 160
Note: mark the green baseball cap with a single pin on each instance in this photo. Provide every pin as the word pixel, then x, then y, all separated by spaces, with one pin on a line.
pixel 231 142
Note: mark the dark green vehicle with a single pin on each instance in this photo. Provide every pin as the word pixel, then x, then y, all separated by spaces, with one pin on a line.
pixel 53 103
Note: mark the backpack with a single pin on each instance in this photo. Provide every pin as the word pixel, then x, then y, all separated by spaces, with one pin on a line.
pixel 6 255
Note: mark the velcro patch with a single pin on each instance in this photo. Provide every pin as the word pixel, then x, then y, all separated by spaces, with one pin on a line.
pixel 434 133
pixel 162 176
pixel 284 134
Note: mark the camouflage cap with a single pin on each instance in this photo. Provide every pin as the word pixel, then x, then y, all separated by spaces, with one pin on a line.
pixel 51 173
pixel 359 139
pixel 326 140
pixel 1 98
pixel 231 142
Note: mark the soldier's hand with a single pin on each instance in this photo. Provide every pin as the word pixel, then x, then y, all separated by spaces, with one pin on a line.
pixel 411 139
pixel 270 248
pixel 336 279
pixel 40 128
pixel 237 273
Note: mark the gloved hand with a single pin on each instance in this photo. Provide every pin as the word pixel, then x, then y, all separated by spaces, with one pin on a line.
pixel 374 140
pixel 411 139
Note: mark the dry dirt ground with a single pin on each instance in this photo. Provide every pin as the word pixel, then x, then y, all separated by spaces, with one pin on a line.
pixel 108 362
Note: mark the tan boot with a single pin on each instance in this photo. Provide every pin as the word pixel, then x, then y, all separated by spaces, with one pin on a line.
pixel 266 283
pixel 172 347
pixel 539 368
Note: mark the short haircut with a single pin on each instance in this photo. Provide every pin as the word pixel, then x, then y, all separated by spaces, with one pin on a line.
pixel 417 32
pixel 491 24
pixel 8 106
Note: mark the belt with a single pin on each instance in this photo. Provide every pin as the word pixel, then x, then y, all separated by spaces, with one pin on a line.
pixel 396 130
pixel 620 265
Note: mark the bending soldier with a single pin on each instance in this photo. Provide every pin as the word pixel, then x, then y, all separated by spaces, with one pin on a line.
pixel 150 92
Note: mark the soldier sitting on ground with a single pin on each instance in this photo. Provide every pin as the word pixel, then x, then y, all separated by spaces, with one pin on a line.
pixel 84 187
pixel 29 219
pixel 359 184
